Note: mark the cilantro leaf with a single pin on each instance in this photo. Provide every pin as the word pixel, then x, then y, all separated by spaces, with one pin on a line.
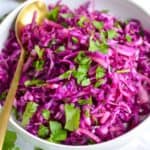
pixel 30 109
pixel 43 131
pixel 38 148
pixel 99 83
pixel 93 45
pixel 87 113
pixel 98 24
pixel 66 75
pixel 9 142
pixel 96 46
pixel 58 134
pixel 66 15
pixel 103 48
pixel 81 21
pixel 85 101
pixel 39 51
pixel 55 126
pixel 39 65
pixel 103 36
pixel 60 49
pixel 53 14
pixel 100 72
pixel 46 114
pixel 72 115
pixel 33 82
pixel 75 40
pixel 85 82
pixel 79 76
pixel 82 58
pixel 112 34
pixel 128 38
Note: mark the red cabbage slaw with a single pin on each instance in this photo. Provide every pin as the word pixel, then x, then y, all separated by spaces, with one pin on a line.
pixel 85 79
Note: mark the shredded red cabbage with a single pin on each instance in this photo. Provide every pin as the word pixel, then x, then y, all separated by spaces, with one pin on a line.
pixel 86 77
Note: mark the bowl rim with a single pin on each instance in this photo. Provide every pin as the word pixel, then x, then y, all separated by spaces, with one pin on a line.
pixel 37 139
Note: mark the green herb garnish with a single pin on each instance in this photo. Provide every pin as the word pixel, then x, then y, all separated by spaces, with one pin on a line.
pixel 98 24
pixel 9 142
pixel 99 83
pixel 87 113
pixel 75 40
pixel 39 51
pixel 53 14
pixel 100 72
pixel 43 131
pixel 46 114
pixel 33 82
pixel 58 134
pixel 39 64
pixel 67 15
pixel 60 49
pixel 30 109
pixel 97 46
pixel 112 34
pixel 128 38
pixel 66 75
pixel 81 21
pixel 72 117
pixel 85 101
pixel 85 82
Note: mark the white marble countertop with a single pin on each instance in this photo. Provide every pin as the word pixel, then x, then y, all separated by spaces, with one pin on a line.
pixel 141 143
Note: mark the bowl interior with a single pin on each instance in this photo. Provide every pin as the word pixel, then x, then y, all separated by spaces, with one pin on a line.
pixel 121 9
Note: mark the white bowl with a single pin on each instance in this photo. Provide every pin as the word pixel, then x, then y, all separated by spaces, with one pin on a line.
pixel 122 9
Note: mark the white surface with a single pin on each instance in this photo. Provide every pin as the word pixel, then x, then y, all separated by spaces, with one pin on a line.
pixel 141 142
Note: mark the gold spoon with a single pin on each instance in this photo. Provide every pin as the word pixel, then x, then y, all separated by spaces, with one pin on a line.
pixel 24 17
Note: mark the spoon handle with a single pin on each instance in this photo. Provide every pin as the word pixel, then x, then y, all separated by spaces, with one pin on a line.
pixel 6 110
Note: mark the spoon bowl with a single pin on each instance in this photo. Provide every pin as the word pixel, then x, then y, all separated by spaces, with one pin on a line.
pixel 37 8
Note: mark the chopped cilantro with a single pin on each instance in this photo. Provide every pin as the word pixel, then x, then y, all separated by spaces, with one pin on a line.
pixel 100 72
pixel 82 58
pixel 75 40
pixel 60 49
pixel 98 24
pixel 128 38
pixel 112 34
pixel 85 82
pixel 87 113
pixel 58 134
pixel 103 48
pixel 66 75
pixel 43 131
pixel 9 142
pixel 72 115
pixel 38 148
pixel 66 15
pixel 85 101
pixel 30 109
pixel 39 64
pixel 97 46
pixel 99 83
pixel 53 14
pixel 46 114
pixel 39 51
pixel 81 21
pixel 103 36
pixel 33 82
